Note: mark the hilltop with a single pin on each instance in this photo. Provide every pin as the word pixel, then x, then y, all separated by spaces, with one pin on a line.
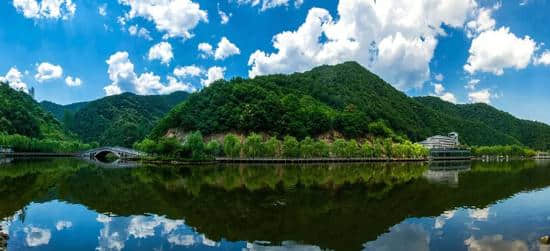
pixel 345 98
pixel 118 120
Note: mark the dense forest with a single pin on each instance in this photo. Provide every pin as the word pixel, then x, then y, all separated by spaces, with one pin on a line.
pixel 58 111
pixel 344 98
pixel 25 126
pixel 118 120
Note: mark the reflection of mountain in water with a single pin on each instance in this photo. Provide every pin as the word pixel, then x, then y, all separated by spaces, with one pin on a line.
pixel 446 172
pixel 330 206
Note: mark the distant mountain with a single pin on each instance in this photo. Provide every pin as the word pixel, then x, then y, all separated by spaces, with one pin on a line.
pixel 118 120
pixel 58 111
pixel 20 114
pixel 531 133
pixel 343 98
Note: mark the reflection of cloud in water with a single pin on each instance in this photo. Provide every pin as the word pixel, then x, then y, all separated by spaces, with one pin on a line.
pixel 117 230
pixel 440 221
pixel 495 242
pixel 208 242
pixel 409 237
pixel 60 225
pixel 37 236
pixel 6 222
pixel 285 246
pixel 479 214
pixel 181 239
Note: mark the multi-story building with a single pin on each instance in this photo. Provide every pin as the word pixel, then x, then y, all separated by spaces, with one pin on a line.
pixel 442 142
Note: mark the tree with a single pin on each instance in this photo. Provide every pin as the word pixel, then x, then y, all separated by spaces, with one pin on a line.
pixel 367 150
pixel 272 147
pixel 339 148
pixel 291 147
pixel 232 146
pixel 253 146
pixel 194 142
pixel 321 149
pixel 214 148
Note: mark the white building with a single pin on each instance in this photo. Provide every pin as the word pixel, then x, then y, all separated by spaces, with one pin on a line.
pixel 442 142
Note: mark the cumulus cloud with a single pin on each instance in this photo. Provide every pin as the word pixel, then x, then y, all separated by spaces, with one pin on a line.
pixel 102 10
pixel 543 59
pixel 226 49
pixel 481 96
pixel 483 22
pixel 37 236
pixel 439 91
pixel 214 73
pixel 51 9
pixel 47 71
pixel 177 18
pixel 70 81
pixel 161 51
pixel 439 77
pixel 123 77
pixel 494 50
pixel 224 17
pixel 187 71
pixel 205 49
pixel 14 78
pixel 395 39
pixel 135 30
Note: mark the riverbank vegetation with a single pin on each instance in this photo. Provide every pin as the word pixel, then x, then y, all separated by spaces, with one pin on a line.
pixel 258 146
pixel 19 143
pixel 510 151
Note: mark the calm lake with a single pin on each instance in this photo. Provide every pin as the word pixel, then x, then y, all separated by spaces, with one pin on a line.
pixel 68 204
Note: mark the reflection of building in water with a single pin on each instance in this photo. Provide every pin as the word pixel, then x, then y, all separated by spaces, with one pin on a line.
pixel 446 172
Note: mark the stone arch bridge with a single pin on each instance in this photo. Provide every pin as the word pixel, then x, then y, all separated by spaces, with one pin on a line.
pixel 120 152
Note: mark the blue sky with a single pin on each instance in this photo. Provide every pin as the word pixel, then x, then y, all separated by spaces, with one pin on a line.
pixel 463 51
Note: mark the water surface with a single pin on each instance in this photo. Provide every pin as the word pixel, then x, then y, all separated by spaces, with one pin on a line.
pixel 68 204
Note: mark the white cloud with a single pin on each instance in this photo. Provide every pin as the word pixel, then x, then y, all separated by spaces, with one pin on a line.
pixel 181 239
pixel 472 84
pixel 483 22
pixel 395 39
pixel 268 4
pixel 37 236
pixel 495 242
pixel 224 17
pixel 439 77
pixel 135 30
pixel 13 78
pixel 206 50
pixel 214 73
pixel 60 225
pixel 226 49
pixel 102 10
pixel 543 59
pixel 47 71
pixel 481 96
pixel 439 91
pixel 123 77
pixel 70 81
pixel 161 51
pixel 177 18
pixel 185 71
pixel 52 9
pixel 494 50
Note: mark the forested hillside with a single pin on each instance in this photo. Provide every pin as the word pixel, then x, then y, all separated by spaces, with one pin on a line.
pixel 20 114
pixel 345 98
pixel 531 133
pixel 120 120
pixel 58 111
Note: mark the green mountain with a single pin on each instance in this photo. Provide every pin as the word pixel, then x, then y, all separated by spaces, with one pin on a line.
pixel 531 133
pixel 345 98
pixel 20 114
pixel 120 120
pixel 58 111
